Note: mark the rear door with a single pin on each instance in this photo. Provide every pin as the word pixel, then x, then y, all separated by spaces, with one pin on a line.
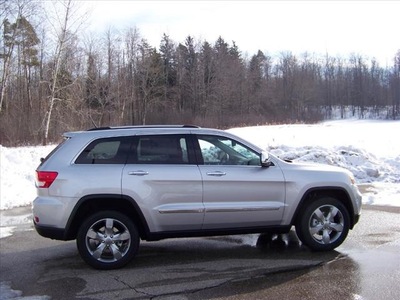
pixel 163 179
pixel 238 191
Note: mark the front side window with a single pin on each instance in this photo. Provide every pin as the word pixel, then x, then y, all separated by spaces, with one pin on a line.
pixel 218 150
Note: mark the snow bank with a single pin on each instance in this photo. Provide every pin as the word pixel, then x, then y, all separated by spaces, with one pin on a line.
pixel 17 174
pixel 370 149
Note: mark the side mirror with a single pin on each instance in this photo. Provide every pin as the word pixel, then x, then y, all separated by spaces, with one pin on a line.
pixel 265 162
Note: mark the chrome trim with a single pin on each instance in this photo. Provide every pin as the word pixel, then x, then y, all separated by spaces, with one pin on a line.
pixel 242 207
pixel 180 209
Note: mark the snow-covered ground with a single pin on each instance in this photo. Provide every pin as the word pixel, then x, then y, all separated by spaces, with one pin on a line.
pixel 368 148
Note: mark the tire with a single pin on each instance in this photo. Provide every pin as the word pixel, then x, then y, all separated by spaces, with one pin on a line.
pixel 323 224
pixel 107 240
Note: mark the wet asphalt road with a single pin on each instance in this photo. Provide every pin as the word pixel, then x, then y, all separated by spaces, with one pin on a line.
pixel 366 266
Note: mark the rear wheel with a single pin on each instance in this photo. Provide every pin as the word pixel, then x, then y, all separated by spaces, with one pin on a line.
pixel 107 240
pixel 323 224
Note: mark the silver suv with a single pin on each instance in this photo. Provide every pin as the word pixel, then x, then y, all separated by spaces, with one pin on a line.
pixel 110 187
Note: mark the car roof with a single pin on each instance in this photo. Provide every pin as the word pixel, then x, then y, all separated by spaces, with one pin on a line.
pixel 141 129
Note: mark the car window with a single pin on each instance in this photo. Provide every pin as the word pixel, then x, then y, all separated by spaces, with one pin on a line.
pixel 218 150
pixel 161 149
pixel 105 151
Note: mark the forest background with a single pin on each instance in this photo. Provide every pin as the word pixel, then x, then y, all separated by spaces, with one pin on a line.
pixel 56 78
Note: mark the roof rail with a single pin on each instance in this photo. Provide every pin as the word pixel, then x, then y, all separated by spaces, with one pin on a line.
pixel 142 126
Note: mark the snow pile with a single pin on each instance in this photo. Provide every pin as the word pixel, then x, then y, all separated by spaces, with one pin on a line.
pixel 366 167
pixel 368 148
pixel 17 174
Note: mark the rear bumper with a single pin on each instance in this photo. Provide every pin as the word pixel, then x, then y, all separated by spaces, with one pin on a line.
pixel 50 232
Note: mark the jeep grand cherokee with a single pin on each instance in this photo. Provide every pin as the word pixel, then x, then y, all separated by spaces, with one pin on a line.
pixel 109 188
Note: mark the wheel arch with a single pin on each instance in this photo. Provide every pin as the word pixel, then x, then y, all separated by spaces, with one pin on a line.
pixel 315 193
pixel 90 204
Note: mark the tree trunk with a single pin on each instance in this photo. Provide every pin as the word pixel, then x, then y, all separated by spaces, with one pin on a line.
pixel 59 51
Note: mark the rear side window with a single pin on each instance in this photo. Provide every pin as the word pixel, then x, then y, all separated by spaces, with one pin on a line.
pixel 105 151
pixel 161 149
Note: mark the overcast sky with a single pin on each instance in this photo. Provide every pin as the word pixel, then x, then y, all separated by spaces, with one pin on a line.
pixel 339 28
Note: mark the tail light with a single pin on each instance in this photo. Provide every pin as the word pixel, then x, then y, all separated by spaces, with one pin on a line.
pixel 44 179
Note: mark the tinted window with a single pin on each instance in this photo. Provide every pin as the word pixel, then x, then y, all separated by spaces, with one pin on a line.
pixel 161 149
pixel 217 150
pixel 105 151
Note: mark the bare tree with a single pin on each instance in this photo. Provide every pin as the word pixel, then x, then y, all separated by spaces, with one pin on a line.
pixel 132 41
pixel 395 86
pixel 65 24
pixel 18 37
pixel 118 79
pixel 10 30
pixel 149 81
pixel 188 78
pixel 168 56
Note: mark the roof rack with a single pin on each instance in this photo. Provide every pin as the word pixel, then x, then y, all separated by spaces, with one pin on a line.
pixel 142 126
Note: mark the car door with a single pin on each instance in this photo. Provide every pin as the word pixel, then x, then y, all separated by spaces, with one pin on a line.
pixel 237 191
pixel 162 177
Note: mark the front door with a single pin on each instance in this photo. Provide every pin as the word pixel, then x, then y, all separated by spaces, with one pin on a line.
pixel 237 191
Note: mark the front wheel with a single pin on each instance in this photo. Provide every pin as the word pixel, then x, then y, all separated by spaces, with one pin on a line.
pixel 107 240
pixel 323 224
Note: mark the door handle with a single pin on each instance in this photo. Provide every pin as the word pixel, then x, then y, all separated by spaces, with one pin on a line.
pixel 216 173
pixel 138 173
